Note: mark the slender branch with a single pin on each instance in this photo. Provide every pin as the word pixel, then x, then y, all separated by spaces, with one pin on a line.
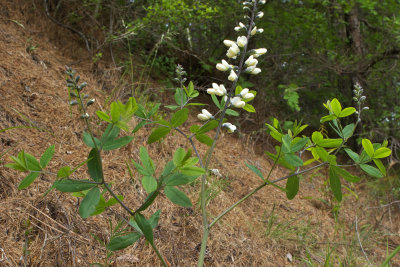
pixel 359 242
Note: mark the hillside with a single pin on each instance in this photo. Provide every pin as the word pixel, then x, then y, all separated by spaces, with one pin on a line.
pixel 267 230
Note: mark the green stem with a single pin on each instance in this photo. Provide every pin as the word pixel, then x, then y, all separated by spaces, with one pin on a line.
pixel 164 263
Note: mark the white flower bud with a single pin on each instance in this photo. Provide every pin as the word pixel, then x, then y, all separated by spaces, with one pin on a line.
pixel 260 51
pixel 211 91
pixel 241 25
pixel 251 61
pixel 226 64
pixel 255 71
pixel 221 90
pixel 233 51
pixel 237 28
pixel 244 92
pixel 241 41
pixel 260 14
pixel 202 117
pixel 221 67
pixel 215 86
pixel 262 2
pixel 238 102
pixel 253 31
pixel 260 30
pixel 248 96
pixel 206 113
pixel 228 43
pixel 230 126
pixel 232 76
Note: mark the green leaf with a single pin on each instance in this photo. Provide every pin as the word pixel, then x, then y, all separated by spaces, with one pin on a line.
pixel 28 180
pixel 353 155
pixel 347 112
pixel 158 133
pixel 317 137
pixel 210 125
pixel 47 156
pixel 380 166
pixel 32 163
pixel 327 118
pixel 89 203
pixel 103 116
pixel 149 200
pixel 112 201
pixel 286 142
pixel 292 187
pixel 296 146
pixel 115 112
pixel 330 143
pixel 204 139
pixel 117 143
pixel 249 108
pixel 348 131
pixel 145 226
pixel 64 172
pixel 179 179
pixel 336 107
pixel 153 220
pixel 68 185
pixel 368 147
pixel 176 196
pixel 110 133
pixel 121 242
pixel 95 166
pixel 255 170
pixel 146 160
pixel 345 174
pixel 87 139
pixel 374 172
pixel 172 107
pixel 168 168
pixel 149 183
pixel 216 102
pixel 335 184
pixel 382 152
pixel 192 171
pixel 232 112
pixel 179 117
pixel 179 155
pixel 293 160
pixel 180 97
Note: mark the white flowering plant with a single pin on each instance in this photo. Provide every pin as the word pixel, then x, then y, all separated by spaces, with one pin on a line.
pixel 97 193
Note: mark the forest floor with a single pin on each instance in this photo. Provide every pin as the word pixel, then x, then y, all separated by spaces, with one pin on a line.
pixel 267 230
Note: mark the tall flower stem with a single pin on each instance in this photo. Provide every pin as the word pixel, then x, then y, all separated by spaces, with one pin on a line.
pixel 203 193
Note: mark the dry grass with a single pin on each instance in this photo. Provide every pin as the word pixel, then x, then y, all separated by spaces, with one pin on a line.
pixel 261 232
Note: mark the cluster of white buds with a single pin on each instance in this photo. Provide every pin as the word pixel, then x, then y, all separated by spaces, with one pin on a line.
pixel 236 48
pixel 216 89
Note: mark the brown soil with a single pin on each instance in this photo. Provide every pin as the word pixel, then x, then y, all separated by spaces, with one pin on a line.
pixel 263 231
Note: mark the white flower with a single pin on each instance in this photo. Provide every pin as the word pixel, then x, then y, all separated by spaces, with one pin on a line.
pixel 237 28
pixel 241 25
pixel 253 31
pixel 232 76
pixel 260 14
pixel 262 2
pixel 230 126
pixel 223 66
pixel 251 61
pixel 204 115
pixel 211 91
pixel 244 92
pixel 260 51
pixel 260 30
pixel 255 71
pixel 241 41
pixel 238 102
pixel 233 51
pixel 228 43
pixel 248 96
pixel 221 90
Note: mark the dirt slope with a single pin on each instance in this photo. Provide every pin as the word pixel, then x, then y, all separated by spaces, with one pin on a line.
pixel 264 231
